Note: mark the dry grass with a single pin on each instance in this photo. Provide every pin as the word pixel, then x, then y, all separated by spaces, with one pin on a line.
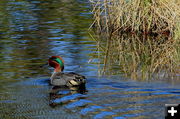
pixel 145 16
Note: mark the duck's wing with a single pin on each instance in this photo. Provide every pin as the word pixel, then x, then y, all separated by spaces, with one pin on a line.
pixel 74 79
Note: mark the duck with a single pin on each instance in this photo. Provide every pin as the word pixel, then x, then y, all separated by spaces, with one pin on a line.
pixel 59 78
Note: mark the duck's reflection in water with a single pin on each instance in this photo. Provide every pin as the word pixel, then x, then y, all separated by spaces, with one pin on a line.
pixel 64 95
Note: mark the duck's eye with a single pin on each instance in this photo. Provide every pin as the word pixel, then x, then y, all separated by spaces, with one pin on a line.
pixel 57 60
pixel 54 59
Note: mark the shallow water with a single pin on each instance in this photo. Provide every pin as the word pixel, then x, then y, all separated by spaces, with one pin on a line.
pixel 33 30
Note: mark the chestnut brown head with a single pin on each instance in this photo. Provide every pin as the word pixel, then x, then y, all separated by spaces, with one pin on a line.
pixel 57 62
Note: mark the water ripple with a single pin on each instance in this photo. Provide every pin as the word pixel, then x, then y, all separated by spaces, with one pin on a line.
pixel 92 108
pixel 103 114
pixel 79 103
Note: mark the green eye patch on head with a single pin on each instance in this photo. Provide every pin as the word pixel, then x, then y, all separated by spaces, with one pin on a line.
pixel 59 61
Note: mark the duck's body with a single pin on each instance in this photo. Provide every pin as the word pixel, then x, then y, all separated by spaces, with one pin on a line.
pixel 59 78
pixel 67 79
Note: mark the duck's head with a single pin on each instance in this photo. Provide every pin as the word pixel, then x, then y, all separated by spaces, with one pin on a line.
pixel 57 62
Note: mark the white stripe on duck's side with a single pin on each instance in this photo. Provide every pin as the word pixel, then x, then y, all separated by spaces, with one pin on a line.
pixel 73 82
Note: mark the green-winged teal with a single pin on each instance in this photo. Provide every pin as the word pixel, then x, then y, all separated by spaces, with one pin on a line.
pixel 59 78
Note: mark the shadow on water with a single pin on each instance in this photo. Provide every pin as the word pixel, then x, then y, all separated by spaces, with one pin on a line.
pixel 64 95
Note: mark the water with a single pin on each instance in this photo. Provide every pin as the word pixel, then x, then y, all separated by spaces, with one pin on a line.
pixel 33 30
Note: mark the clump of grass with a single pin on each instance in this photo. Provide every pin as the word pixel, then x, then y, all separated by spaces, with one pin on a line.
pixel 145 16
pixel 122 22
pixel 135 44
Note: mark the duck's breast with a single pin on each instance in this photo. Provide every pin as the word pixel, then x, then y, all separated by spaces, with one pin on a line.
pixel 57 79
